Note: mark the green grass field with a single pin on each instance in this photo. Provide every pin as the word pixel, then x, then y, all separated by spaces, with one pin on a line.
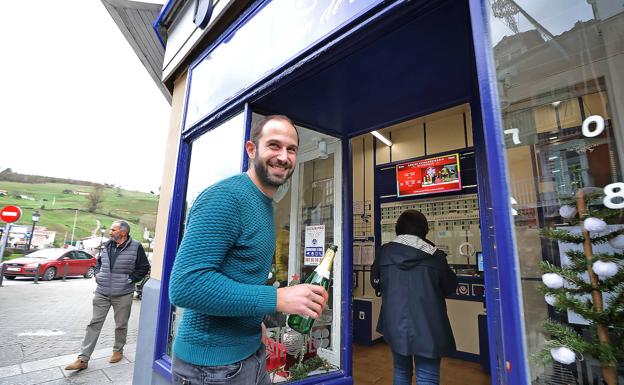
pixel 57 209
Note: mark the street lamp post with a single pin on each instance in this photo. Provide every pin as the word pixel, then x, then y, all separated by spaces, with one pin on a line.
pixel 147 236
pixel 102 231
pixel 35 218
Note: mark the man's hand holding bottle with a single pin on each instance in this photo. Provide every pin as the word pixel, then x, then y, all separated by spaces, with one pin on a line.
pixel 305 299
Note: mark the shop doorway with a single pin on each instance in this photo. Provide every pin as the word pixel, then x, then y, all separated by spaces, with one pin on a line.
pixel 426 164
pixel 414 67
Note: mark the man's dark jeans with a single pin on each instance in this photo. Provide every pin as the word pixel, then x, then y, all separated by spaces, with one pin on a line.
pixel 249 371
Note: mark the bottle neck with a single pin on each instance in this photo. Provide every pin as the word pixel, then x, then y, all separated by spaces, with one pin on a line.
pixel 324 268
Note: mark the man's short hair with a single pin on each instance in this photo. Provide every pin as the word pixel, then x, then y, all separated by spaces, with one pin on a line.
pixel 412 222
pixel 123 225
pixel 256 131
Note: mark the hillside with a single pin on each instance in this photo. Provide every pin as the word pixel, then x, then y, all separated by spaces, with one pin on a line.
pixel 8 175
pixel 58 203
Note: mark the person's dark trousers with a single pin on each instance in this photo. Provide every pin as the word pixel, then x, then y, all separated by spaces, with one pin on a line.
pixel 427 370
pixel 250 371
pixel 122 305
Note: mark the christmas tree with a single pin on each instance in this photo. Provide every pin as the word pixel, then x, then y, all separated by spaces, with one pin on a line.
pixel 591 284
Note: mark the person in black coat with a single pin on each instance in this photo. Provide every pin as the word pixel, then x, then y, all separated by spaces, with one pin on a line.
pixel 414 278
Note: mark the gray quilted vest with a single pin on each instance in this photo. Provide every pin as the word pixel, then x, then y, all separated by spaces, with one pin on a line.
pixel 117 282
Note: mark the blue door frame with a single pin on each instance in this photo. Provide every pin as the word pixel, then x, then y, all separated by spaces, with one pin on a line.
pixel 503 294
pixel 508 354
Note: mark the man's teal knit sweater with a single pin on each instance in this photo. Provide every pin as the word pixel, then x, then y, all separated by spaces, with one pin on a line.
pixel 220 272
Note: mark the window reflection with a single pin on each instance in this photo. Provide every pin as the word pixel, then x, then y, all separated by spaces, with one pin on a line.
pixel 560 66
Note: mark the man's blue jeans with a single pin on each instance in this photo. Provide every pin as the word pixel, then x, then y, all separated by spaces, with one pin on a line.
pixel 427 370
pixel 250 371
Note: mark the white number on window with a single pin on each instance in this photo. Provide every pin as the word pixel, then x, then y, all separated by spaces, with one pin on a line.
pixel 599 126
pixel 614 190
pixel 515 135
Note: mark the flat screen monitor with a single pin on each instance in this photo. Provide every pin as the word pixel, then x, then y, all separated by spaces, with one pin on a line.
pixel 428 176
pixel 479 261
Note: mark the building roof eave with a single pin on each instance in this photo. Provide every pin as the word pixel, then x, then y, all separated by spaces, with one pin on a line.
pixel 135 21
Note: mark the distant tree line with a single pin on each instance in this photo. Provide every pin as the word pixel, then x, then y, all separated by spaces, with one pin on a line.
pixel 10 176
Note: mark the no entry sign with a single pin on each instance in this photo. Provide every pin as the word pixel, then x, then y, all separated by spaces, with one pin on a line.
pixel 10 214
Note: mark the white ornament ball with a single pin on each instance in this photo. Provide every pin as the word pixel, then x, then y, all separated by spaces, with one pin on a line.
pixel 553 280
pixel 605 269
pixel 293 342
pixel 567 211
pixel 617 242
pixel 594 224
pixel 550 299
pixel 563 355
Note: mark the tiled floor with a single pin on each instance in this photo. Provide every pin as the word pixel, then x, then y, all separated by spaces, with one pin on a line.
pixel 372 365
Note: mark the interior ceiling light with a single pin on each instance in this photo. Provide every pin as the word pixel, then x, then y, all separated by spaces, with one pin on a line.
pixel 322 147
pixel 382 138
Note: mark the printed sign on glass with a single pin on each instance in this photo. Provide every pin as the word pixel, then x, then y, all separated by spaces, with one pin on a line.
pixel 314 244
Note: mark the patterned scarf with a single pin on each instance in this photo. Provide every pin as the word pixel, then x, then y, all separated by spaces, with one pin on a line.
pixel 415 242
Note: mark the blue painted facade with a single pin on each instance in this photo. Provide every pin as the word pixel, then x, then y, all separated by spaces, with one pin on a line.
pixel 377 64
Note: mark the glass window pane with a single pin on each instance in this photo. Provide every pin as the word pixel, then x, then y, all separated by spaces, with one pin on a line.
pixel 560 68
pixel 215 155
pixel 221 74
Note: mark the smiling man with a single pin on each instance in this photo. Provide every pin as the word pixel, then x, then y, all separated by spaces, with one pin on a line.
pixel 220 271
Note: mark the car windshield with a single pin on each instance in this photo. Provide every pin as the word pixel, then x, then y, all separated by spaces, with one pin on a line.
pixel 46 254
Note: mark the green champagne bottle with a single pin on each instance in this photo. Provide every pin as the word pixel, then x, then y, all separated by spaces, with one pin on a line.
pixel 320 276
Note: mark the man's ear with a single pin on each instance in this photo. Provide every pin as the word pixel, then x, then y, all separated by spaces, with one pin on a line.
pixel 250 147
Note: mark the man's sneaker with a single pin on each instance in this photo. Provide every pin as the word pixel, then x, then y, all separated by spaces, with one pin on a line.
pixel 77 365
pixel 116 357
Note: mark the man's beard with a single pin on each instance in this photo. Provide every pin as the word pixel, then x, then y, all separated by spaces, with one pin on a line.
pixel 262 171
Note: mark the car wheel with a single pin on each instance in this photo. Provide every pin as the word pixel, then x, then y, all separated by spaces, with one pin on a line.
pixel 49 274
pixel 11 277
pixel 89 272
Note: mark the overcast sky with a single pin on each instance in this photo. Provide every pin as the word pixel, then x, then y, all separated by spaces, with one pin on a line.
pixel 76 102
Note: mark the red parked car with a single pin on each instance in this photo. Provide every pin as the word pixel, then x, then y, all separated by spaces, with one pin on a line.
pixel 51 264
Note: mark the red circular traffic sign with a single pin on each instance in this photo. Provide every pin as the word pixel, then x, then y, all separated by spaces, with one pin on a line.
pixel 10 214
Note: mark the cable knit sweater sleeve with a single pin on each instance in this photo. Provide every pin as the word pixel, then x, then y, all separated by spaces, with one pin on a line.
pixel 198 281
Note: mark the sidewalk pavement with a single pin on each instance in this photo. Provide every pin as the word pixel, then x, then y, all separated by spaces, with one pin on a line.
pixel 41 331
pixel 50 371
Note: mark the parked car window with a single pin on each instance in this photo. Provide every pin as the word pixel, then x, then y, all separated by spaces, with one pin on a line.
pixel 82 255
pixel 70 255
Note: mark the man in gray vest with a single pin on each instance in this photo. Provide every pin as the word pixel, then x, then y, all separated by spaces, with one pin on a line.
pixel 121 264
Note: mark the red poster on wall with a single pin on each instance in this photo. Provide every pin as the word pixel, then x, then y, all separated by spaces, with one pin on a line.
pixel 428 176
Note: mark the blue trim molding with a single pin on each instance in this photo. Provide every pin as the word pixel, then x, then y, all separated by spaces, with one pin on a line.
pixel 158 23
pixel 162 362
pixel 347 257
pixel 511 325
